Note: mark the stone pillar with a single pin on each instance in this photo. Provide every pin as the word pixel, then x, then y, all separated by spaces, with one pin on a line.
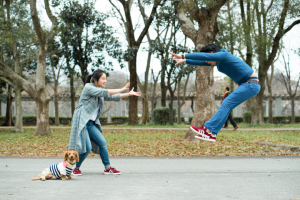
pixel 123 109
pixel 277 106
pixel 14 108
pixel 158 102
pixel 194 103
pixel 3 109
pixel 267 108
pixel 51 109
pixel 237 111
pixel 119 108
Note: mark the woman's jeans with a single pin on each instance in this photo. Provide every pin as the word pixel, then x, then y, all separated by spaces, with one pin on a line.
pixel 92 133
pixel 242 93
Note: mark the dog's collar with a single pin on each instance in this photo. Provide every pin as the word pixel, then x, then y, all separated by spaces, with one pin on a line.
pixel 71 164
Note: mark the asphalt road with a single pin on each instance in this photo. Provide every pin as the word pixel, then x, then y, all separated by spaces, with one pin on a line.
pixel 157 178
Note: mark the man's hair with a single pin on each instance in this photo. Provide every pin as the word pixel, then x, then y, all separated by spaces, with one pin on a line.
pixel 227 88
pixel 210 47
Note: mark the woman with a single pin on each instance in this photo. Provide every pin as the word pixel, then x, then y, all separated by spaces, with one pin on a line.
pixel 86 134
pixel 237 70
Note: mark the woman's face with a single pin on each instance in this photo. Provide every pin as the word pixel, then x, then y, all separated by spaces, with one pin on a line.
pixel 102 81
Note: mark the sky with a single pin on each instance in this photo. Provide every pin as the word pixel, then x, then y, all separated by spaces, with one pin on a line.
pixel 291 41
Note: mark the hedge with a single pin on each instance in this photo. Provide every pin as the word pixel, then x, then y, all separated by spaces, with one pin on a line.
pixel 161 115
pixel 276 119
pixel 119 119
pixel 182 119
pixel 62 120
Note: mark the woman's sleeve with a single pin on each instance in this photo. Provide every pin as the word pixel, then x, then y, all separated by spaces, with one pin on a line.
pixel 218 56
pixel 198 63
pixel 115 97
pixel 95 91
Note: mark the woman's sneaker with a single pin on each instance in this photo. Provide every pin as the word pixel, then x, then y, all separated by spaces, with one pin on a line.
pixel 111 170
pixel 76 172
pixel 204 135
pixel 236 128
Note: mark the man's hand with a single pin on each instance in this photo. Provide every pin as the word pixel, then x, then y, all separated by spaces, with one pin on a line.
pixel 214 63
pixel 133 93
pixel 126 87
pixel 179 61
pixel 176 56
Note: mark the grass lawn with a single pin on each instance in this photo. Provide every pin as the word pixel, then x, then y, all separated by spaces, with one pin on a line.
pixel 241 125
pixel 151 143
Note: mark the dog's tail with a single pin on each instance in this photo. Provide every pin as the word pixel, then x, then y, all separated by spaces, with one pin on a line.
pixel 34 179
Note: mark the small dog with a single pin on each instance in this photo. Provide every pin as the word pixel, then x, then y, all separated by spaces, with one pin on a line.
pixel 61 169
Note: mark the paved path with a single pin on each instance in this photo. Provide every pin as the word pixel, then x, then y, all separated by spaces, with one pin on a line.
pixel 157 178
pixel 146 128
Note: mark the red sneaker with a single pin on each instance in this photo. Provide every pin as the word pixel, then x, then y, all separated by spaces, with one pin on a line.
pixel 197 129
pixel 111 170
pixel 225 127
pixel 204 135
pixel 236 128
pixel 76 172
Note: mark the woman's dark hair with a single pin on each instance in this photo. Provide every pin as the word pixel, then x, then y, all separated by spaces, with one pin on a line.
pixel 227 88
pixel 95 76
pixel 210 47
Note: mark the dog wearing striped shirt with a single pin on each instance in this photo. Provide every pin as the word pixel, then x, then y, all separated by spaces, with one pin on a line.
pixel 62 169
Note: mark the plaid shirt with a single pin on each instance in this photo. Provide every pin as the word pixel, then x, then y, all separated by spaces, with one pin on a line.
pixel 91 98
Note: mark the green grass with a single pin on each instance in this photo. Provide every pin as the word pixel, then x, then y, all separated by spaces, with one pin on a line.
pixel 267 125
pixel 152 125
pixel 151 143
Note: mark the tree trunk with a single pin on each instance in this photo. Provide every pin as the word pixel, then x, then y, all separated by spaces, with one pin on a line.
pixel 293 110
pixel 18 90
pixel 205 98
pixel 19 115
pixel 43 99
pixel 270 109
pixel 179 104
pixel 9 118
pixel 133 100
pixel 145 116
pixel 171 120
pixel 72 91
pixel 163 88
pixel 256 105
pixel 42 117
pixel 56 103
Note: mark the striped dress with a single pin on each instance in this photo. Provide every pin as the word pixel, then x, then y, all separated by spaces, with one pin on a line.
pixel 60 168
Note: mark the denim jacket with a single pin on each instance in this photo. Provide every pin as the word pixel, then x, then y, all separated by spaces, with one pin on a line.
pixel 91 98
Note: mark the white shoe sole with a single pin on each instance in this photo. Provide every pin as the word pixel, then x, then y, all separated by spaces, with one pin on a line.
pixel 108 173
pixel 201 138
pixel 76 174
pixel 195 131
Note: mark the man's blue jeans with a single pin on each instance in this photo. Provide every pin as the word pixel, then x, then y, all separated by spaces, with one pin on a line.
pixel 242 93
pixel 92 133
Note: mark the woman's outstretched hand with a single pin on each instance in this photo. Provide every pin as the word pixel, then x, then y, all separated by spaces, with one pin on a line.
pixel 126 87
pixel 133 93
pixel 175 56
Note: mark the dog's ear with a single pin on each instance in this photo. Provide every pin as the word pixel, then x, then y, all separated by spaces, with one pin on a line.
pixel 77 156
pixel 66 156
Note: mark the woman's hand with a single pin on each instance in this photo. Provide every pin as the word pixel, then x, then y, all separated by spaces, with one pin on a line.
pixel 175 56
pixel 179 61
pixel 126 87
pixel 133 93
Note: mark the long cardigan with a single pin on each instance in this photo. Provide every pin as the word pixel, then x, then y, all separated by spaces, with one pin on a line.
pixel 91 98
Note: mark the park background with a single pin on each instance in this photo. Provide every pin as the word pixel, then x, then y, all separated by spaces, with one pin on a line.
pixel 49 47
